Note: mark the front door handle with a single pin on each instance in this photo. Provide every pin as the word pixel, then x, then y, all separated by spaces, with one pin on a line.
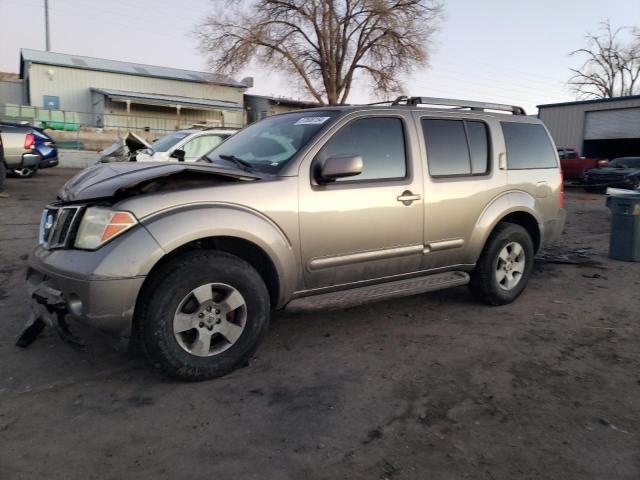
pixel 407 197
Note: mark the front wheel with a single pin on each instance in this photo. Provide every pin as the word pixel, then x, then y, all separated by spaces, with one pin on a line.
pixel 203 315
pixel 504 267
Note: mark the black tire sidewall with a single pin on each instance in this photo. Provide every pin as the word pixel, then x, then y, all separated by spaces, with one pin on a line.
pixel 174 283
pixel 484 279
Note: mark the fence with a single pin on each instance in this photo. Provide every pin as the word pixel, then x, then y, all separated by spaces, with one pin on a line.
pixel 91 131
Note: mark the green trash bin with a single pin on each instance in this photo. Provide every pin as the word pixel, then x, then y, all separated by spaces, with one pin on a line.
pixel 624 239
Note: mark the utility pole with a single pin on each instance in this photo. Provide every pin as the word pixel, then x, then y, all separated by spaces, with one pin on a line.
pixel 46 24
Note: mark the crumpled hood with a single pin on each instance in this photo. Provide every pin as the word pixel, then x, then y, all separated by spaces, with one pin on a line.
pixel 105 179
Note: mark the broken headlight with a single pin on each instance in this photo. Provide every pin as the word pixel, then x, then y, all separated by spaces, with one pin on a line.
pixel 99 225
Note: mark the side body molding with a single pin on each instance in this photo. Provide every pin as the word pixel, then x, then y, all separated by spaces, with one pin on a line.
pixel 501 206
pixel 176 227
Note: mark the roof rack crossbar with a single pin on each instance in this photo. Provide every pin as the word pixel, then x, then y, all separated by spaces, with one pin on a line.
pixel 451 102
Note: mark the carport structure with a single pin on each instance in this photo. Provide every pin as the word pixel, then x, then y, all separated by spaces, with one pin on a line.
pixel 602 128
pixel 149 111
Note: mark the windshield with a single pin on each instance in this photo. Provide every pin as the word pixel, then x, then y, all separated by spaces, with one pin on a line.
pixel 270 143
pixel 631 162
pixel 165 143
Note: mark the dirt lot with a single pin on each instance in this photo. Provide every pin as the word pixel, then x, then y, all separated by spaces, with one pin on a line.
pixel 428 387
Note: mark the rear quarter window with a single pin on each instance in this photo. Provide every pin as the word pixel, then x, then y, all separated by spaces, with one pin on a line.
pixel 528 146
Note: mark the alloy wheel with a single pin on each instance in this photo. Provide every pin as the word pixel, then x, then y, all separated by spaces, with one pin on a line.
pixel 210 319
pixel 510 265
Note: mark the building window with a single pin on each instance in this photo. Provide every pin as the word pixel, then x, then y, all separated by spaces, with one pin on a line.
pixel 51 102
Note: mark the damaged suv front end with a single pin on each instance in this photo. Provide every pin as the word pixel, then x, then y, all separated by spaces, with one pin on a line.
pixel 93 256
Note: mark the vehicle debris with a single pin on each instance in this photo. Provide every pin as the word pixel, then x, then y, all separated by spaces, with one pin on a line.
pixel 562 255
pixel 48 308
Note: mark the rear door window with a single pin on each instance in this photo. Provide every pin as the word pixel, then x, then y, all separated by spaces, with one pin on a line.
pixel 528 146
pixel 456 147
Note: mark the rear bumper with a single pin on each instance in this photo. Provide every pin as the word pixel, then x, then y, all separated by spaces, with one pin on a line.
pixel 48 162
pixel 30 160
pixel 553 229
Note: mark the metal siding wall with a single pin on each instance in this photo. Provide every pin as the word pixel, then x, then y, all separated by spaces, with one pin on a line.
pixel 565 125
pixel 566 122
pixel 10 92
pixel 73 86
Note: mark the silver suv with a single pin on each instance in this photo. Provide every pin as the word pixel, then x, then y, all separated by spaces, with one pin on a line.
pixel 310 210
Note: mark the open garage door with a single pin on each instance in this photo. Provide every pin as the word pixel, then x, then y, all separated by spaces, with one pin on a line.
pixel 612 133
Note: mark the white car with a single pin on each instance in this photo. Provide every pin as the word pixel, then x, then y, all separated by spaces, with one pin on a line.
pixel 180 146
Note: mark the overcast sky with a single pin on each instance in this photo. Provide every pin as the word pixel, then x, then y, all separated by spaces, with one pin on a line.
pixel 495 50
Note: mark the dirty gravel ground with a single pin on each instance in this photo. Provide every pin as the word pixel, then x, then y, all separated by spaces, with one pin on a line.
pixel 429 387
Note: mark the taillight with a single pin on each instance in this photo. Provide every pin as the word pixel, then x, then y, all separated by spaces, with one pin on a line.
pixel 561 190
pixel 29 141
pixel 602 163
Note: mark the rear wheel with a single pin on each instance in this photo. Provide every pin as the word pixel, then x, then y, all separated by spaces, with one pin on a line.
pixel 25 172
pixel 203 315
pixel 504 267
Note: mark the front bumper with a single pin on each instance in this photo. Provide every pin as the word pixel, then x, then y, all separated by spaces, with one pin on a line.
pixel 626 183
pixel 98 288
pixel 106 305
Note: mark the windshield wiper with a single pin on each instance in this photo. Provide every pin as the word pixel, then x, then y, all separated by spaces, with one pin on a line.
pixel 244 165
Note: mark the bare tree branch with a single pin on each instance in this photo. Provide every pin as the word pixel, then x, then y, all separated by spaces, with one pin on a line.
pixel 611 67
pixel 325 44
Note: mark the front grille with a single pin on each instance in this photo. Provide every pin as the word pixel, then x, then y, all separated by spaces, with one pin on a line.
pixel 57 224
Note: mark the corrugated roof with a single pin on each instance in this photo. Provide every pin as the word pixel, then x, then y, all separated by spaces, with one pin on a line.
pixel 586 102
pixel 157 99
pixel 286 101
pixel 116 66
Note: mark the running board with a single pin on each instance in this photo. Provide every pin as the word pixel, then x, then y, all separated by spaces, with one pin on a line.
pixel 374 293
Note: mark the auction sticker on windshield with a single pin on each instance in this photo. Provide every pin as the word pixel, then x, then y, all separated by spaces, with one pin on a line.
pixel 312 120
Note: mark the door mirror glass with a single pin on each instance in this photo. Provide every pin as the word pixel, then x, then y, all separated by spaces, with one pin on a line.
pixel 178 154
pixel 340 167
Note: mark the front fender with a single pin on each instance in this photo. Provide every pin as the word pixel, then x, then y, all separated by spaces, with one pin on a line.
pixel 501 206
pixel 182 225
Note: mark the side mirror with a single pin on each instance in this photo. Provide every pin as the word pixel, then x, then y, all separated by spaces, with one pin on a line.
pixel 178 154
pixel 340 167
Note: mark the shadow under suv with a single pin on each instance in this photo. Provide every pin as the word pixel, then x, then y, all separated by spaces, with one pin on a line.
pixel 309 210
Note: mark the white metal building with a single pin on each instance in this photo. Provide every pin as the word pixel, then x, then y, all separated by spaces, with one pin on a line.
pixel 109 93
pixel 605 128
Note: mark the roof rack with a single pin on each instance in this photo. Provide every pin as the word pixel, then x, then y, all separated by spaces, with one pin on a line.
pixel 450 102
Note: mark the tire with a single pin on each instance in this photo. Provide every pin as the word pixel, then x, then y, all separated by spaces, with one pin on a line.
pixel 595 189
pixel 175 299
pixel 485 284
pixel 26 172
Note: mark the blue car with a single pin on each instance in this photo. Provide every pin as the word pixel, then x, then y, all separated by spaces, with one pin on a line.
pixel 27 149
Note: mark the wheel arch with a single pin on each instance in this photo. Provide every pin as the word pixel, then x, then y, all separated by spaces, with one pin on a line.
pixel 248 251
pixel 234 229
pixel 515 207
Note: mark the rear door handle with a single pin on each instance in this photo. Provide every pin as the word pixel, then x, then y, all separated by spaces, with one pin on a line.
pixel 407 197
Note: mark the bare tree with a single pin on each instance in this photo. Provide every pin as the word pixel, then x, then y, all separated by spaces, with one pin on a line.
pixel 325 44
pixel 612 64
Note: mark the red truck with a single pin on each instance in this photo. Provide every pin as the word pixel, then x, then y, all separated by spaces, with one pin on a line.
pixel 573 165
